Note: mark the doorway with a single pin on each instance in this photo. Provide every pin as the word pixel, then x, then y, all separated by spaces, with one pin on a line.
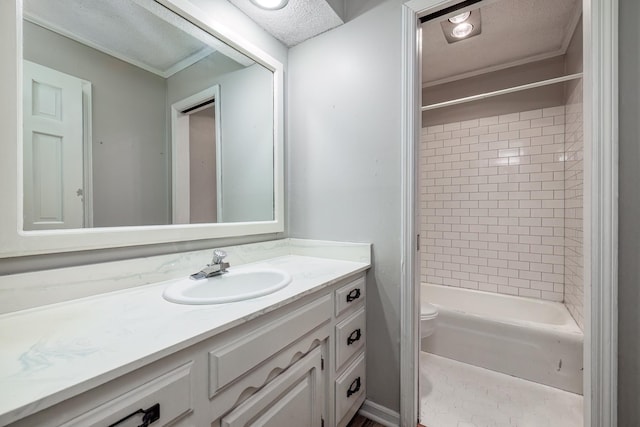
pixel 600 137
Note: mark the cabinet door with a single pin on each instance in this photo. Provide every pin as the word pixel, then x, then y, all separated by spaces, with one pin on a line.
pixel 294 398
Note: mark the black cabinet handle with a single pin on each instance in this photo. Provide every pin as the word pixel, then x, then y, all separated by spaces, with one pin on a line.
pixel 353 295
pixel 149 415
pixel 354 336
pixel 354 387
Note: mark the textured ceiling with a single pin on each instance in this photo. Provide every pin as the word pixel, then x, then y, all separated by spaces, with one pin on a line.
pixel 298 21
pixel 512 31
pixel 140 32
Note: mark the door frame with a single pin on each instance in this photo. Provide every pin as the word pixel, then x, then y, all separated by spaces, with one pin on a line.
pixel 600 23
pixel 180 173
pixel 87 152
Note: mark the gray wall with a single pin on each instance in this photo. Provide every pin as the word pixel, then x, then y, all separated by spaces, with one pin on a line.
pixel 533 99
pixel 247 145
pixel 129 143
pixel 344 163
pixel 629 216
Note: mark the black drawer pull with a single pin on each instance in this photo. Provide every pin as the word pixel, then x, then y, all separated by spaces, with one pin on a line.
pixel 353 295
pixel 354 336
pixel 149 415
pixel 354 387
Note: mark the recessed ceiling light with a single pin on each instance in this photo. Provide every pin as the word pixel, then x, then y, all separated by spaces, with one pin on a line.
pixel 270 4
pixel 462 30
pixel 460 18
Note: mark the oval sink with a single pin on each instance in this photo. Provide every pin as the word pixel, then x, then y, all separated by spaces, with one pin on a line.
pixel 232 286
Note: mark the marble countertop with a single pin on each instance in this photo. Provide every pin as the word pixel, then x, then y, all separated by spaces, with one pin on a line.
pixel 51 353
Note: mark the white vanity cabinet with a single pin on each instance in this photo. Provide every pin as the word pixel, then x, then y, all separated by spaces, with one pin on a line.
pixel 350 342
pixel 300 365
pixel 293 398
pixel 165 390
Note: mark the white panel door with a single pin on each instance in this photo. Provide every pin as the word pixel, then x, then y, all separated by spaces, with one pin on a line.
pixel 53 141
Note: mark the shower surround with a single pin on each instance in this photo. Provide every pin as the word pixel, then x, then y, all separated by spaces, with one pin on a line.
pixel 493 199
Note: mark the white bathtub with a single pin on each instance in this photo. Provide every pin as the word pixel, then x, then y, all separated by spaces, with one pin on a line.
pixel 527 338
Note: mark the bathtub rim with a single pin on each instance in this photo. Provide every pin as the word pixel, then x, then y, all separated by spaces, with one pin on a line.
pixel 570 327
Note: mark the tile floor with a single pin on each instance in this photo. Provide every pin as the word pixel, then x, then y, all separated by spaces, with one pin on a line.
pixel 454 394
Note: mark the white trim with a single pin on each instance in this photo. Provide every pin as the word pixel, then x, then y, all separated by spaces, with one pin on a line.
pixel 411 119
pixel 380 414
pixel 601 215
pixel 187 62
pixel 87 153
pixel 513 89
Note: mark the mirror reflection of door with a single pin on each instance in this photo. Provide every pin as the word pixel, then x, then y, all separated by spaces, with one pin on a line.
pixel 202 165
pixel 197 159
pixel 53 157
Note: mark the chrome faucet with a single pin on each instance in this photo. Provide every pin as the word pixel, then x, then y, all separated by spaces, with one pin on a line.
pixel 215 268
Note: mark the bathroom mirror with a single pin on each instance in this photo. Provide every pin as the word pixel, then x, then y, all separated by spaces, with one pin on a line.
pixel 136 122
pixel 133 116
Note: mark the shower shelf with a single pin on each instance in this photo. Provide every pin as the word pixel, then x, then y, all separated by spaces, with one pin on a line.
pixel 501 92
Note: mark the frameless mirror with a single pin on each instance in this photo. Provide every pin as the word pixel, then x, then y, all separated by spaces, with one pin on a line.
pixel 133 116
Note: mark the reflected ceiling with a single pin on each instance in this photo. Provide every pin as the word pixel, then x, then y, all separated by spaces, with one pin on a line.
pixel 164 43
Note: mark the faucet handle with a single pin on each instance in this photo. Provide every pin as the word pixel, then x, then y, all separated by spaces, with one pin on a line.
pixel 218 256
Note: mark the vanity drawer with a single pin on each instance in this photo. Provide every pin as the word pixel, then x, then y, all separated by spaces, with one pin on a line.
pixel 234 360
pixel 350 295
pixel 350 391
pixel 350 337
pixel 170 391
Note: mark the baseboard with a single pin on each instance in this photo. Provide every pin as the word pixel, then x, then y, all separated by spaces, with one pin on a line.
pixel 379 414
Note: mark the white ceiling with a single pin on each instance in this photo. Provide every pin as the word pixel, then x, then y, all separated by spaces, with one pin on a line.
pixel 140 32
pixel 298 21
pixel 513 32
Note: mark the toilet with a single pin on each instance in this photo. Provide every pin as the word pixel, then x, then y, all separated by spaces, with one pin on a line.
pixel 428 315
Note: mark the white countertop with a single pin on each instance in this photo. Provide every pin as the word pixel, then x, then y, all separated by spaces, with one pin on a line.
pixel 51 353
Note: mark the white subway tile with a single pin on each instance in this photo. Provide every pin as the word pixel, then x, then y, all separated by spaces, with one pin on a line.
pixel 508 118
pixel 530 133
pixel 435 129
pixel 553 111
pixel 482 130
pixel 522 124
pixel 497 205
pixel 531 114
pixel 488 121
pixel 492 137
pixel 553 130
pixel 460 133
pixel 470 124
pixel 451 126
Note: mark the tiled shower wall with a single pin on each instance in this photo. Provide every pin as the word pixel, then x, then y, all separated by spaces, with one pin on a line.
pixel 573 219
pixel 492 203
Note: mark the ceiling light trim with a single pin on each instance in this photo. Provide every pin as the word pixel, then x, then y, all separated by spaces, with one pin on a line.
pixel 277 6
pixel 462 30
pixel 470 27
pixel 460 18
